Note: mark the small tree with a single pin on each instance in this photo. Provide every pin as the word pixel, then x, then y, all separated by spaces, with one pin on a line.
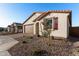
pixel 46 31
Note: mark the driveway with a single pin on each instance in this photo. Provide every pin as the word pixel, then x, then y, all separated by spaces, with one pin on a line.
pixel 6 43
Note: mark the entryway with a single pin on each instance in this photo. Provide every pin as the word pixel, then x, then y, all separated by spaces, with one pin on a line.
pixel 37 28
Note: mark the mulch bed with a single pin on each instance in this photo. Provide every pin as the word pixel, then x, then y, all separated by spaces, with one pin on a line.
pixel 33 46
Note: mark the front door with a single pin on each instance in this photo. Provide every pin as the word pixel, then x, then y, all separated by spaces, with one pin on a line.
pixel 37 28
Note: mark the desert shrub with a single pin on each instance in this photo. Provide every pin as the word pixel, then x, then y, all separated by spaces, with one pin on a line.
pixel 29 37
pixel 44 33
pixel 24 42
pixel 41 53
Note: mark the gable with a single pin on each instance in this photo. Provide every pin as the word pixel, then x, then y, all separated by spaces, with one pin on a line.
pixel 31 18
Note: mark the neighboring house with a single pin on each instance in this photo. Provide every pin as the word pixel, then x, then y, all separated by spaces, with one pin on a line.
pixel 9 28
pixel 15 28
pixel 58 20
pixel 3 29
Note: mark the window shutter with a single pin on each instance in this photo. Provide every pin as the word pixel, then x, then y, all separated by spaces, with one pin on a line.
pixel 55 23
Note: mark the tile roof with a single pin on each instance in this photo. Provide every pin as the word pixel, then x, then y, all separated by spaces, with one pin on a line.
pixel 54 11
pixel 43 14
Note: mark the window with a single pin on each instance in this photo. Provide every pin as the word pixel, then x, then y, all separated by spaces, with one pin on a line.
pixel 48 23
pixel 55 23
pixel 19 27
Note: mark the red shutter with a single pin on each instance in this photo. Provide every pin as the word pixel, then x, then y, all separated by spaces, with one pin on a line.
pixel 56 24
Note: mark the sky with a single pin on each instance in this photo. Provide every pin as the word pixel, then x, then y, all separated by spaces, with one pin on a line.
pixel 19 12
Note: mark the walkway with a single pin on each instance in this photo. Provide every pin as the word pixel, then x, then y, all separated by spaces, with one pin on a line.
pixel 6 43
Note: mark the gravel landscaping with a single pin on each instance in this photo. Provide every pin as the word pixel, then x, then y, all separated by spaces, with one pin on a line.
pixel 37 46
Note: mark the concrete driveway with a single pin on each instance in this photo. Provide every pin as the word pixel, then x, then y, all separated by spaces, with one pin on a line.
pixel 6 43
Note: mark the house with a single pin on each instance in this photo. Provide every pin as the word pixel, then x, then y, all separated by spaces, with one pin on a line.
pixel 9 28
pixel 3 29
pixel 15 28
pixel 58 20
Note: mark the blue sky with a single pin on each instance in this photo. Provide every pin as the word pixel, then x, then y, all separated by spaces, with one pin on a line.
pixel 19 12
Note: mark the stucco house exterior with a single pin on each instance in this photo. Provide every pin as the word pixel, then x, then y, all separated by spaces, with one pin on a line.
pixel 59 21
pixel 15 28
pixel 9 28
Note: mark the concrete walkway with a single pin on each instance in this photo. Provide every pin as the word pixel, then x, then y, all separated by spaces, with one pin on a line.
pixel 5 44
pixel 4 53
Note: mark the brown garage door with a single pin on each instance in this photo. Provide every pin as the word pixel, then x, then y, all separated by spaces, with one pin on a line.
pixel 29 28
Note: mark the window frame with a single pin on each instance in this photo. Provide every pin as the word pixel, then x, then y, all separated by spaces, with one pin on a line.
pixel 51 20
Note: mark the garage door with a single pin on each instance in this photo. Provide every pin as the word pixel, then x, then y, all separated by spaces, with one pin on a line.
pixel 29 29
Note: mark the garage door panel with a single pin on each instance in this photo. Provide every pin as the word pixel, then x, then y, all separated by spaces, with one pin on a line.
pixel 29 29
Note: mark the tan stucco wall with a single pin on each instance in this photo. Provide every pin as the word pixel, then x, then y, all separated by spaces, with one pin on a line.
pixel 9 29
pixel 30 21
pixel 63 25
